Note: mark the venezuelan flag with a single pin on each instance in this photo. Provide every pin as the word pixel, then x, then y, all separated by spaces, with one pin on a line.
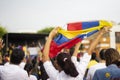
pixel 75 33
pixel 88 24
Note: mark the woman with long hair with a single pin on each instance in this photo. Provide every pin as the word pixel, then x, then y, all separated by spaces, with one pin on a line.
pixel 71 68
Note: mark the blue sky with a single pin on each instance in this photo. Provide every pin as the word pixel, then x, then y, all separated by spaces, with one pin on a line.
pixel 33 15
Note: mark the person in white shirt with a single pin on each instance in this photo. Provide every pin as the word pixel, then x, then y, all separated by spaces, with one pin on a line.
pixel 13 70
pixel 71 68
pixel 99 65
pixel 22 65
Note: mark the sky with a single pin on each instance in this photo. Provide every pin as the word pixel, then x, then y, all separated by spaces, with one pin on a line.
pixel 34 15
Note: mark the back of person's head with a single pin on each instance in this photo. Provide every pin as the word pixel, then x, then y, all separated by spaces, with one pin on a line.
pixel 28 67
pixel 17 56
pixel 111 56
pixel 102 54
pixel 93 57
pixel 64 61
pixel 34 61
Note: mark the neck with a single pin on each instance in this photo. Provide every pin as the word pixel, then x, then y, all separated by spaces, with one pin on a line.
pixel 13 63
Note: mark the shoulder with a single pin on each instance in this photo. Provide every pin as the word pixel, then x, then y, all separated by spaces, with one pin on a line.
pixel 86 54
pixel 100 72
pixel 22 71
pixel 74 58
pixel 47 63
pixel 1 67
pixel 98 66
pixel 32 77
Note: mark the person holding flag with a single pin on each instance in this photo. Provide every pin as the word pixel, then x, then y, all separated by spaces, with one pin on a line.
pixel 71 68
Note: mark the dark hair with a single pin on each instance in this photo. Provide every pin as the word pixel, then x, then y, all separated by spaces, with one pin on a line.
pixel 44 75
pixel 34 61
pixel 17 56
pixel 28 67
pixel 111 55
pixel 93 57
pixel 117 62
pixel 102 54
pixel 64 61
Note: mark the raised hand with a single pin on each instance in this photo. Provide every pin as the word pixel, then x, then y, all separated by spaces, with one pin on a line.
pixel 53 32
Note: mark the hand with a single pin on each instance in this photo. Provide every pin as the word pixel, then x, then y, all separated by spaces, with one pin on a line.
pixel 105 30
pixel 53 32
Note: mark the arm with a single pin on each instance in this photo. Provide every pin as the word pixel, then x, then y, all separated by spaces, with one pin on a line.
pixel 95 42
pixel 49 68
pixel 76 49
pixel 47 45
pixel 86 57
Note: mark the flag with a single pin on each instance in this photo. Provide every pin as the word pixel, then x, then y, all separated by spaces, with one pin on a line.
pixel 75 33
pixel 62 42
pixel 88 24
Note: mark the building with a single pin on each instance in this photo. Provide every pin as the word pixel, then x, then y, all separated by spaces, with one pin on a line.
pixel 23 39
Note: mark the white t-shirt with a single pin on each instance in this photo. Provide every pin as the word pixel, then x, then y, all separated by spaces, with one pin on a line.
pixel 92 70
pixel 80 66
pixel 12 72
pixel 22 65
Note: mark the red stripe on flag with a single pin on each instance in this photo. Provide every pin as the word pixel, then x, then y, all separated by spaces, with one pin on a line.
pixel 54 48
pixel 74 26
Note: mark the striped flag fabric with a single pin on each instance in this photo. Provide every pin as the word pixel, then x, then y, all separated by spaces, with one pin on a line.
pixel 75 33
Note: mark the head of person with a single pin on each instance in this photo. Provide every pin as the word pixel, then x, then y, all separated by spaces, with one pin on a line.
pixel 102 54
pixel 93 57
pixel 28 67
pixel 64 61
pixel 111 56
pixel 17 56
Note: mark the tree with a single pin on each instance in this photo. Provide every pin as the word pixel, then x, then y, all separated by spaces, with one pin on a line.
pixel 2 31
pixel 45 30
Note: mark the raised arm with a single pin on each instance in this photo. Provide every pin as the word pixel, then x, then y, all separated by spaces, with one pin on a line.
pixel 86 57
pixel 46 50
pixel 76 49
pixel 94 43
pixel 96 40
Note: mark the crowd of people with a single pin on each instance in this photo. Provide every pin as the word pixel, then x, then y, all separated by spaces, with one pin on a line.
pixel 65 66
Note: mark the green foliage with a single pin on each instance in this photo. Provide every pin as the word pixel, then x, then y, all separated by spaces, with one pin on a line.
pixel 45 30
pixel 2 31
